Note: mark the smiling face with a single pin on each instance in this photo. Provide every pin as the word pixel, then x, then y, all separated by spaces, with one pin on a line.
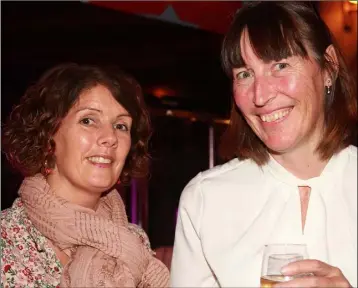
pixel 281 101
pixel 92 144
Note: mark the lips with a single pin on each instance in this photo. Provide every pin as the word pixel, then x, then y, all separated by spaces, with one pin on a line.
pixel 275 115
pixel 100 159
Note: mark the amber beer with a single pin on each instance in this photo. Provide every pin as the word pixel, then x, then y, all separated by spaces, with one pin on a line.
pixel 270 280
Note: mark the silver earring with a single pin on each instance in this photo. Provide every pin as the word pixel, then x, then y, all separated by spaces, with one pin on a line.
pixel 328 90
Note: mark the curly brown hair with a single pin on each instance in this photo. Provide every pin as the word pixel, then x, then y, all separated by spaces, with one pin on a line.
pixel 27 134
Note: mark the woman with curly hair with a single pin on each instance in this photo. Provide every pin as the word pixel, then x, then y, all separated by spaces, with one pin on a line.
pixel 76 133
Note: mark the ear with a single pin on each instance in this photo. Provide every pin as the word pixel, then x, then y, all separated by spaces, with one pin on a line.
pixel 332 70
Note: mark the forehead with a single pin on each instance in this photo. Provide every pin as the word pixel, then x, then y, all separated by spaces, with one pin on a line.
pixel 99 97
pixel 250 56
pixel 247 52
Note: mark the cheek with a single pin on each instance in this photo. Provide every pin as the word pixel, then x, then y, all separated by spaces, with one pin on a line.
pixel 85 142
pixel 287 86
pixel 72 146
pixel 242 99
pixel 124 145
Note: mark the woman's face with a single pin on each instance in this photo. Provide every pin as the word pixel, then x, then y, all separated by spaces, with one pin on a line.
pixel 281 101
pixel 92 144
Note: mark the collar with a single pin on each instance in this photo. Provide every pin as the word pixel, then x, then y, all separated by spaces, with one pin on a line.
pixel 333 168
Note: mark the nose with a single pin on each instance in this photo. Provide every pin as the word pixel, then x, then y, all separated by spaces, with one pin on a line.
pixel 107 137
pixel 263 92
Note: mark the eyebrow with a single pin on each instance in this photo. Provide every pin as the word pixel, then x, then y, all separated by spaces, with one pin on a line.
pixel 88 108
pixel 101 112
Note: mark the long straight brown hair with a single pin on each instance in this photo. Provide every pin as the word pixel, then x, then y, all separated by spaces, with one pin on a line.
pixel 278 30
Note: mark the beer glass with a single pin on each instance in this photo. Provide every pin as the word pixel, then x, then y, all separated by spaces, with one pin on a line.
pixel 275 257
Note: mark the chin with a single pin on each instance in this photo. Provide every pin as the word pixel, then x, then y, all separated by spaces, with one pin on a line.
pixel 101 185
pixel 279 146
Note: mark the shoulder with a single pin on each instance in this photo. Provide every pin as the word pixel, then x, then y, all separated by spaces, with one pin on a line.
pixel 215 190
pixel 13 222
pixel 14 211
pixel 239 170
pixel 210 185
pixel 347 160
pixel 25 261
pixel 352 159
pixel 352 152
pixel 212 179
pixel 13 242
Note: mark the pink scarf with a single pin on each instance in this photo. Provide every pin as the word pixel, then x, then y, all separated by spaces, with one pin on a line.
pixel 105 252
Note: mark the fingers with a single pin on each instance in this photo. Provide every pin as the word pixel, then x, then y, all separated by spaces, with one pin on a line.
pixel 310 281
pixel 313 281
pixel 323 275
pixel 318 268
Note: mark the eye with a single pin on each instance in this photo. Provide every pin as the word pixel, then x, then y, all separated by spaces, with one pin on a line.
pixel 122 127
pixel 86 121
pixel 280 66
pixel 243 75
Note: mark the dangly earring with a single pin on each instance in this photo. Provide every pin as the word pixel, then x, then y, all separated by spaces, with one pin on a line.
pixel 328 90
pixel 47 170
pixel 328 87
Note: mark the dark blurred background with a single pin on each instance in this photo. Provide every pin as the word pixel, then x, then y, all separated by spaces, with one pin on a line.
pixel 173 50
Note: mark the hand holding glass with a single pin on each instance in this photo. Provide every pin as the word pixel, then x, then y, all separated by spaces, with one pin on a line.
pixel 275 257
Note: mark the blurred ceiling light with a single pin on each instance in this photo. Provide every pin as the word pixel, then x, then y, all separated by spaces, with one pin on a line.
pixel 169 113
pixel 222 121
pixel 160 92
pixel 347 8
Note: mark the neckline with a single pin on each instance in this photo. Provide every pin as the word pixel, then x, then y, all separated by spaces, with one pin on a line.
pixel 283 175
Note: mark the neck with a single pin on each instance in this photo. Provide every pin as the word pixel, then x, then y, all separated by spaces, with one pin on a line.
pixel 304 163
pixel 66 190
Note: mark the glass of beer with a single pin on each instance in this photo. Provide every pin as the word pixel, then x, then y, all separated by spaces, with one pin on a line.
pixel 275 257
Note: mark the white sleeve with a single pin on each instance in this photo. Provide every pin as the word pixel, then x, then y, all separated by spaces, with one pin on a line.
pixel 189 267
